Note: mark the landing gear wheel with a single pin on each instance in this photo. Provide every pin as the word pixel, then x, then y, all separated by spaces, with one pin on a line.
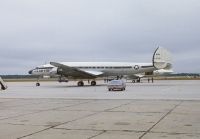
pixel 37 84
pixel 93 83
pixel 138 80
pixel 80 83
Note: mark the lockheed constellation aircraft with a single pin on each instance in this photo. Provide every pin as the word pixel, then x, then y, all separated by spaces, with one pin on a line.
pixel 161 61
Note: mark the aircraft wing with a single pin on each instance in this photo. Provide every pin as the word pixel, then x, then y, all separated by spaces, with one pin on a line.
pixel 135 76
pixel 75 72
pixel 96 73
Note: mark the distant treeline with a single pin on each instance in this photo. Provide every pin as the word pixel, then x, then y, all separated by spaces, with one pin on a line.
pixel 17 76
pixel 186 74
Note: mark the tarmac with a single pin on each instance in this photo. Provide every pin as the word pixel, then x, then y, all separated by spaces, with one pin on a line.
pixel 159 110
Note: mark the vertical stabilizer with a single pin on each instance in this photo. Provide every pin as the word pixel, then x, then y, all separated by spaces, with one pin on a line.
pixel 162 59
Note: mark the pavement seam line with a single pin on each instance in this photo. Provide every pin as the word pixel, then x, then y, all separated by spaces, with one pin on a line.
pixel 160 119
pixel 101 130
pixel 108 110
pixel 39 111
pixel 97 134
pixel 52 127
pixel 70 105
pixel 176 133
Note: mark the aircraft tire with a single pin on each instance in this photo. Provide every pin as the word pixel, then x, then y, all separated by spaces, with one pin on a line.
pixel 93 83
pixel 80 83
pixel 37 84
pixel 138 80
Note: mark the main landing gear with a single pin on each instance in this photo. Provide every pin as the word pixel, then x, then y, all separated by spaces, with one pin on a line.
pixel 81 83
pixel 93 83
pixel 138 80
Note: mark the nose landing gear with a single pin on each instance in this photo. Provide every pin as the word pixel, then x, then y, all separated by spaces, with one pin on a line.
pixel 81 83
pixel 38 83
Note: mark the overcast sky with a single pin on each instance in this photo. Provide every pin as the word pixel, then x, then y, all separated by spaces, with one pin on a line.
pixel 34 32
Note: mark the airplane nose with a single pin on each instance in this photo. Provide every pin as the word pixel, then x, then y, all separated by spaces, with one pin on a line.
pixel 30 72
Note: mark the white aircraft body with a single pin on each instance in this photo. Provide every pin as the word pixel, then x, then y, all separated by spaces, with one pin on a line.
pixel 161 61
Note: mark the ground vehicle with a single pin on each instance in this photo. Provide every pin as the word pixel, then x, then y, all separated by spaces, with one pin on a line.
pixel 116 85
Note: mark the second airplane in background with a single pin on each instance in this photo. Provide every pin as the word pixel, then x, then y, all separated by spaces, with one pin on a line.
pixel 91 70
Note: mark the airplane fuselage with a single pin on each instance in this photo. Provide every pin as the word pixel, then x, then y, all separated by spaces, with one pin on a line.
pixel 112 68
pixel 107 68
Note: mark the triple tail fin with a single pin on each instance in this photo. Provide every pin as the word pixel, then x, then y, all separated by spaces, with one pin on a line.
pixel 162 59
